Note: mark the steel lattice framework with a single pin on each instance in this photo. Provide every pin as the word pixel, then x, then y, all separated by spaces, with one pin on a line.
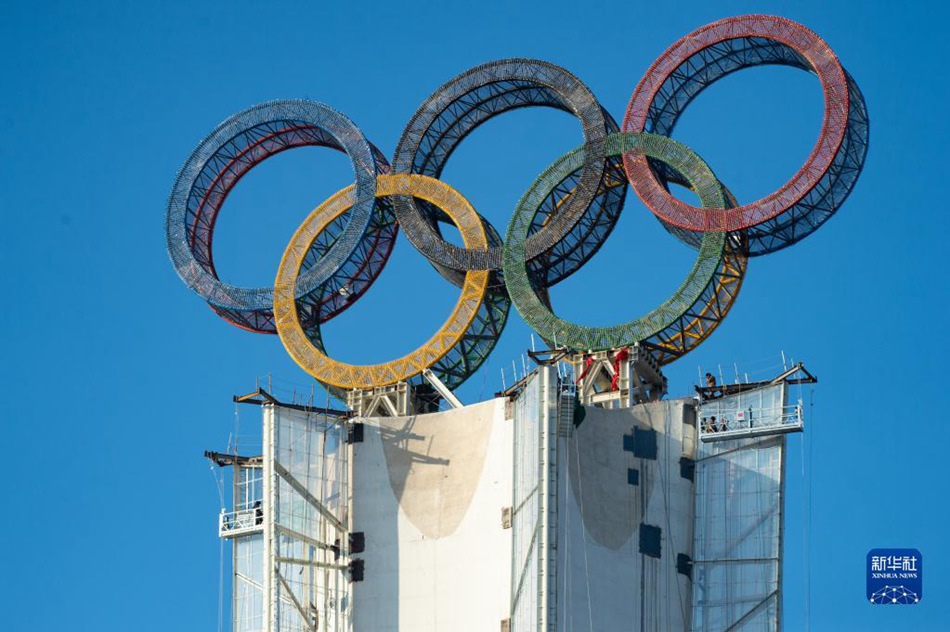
pixel 341 375
pixel 708 54
pixel 224 157
pixel 559 224
pixel 684 320
pixel 474 97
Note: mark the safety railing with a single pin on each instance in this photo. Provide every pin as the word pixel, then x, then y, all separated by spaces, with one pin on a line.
pixel 241 521
pixel 748 422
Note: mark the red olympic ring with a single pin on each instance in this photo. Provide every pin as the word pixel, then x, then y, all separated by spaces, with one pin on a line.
pixel 834 84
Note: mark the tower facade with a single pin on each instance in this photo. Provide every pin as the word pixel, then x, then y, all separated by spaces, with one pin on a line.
pixel 501 516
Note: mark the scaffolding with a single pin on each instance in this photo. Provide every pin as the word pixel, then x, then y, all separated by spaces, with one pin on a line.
pixel 738 535
pixel 739 499
pixel 288 524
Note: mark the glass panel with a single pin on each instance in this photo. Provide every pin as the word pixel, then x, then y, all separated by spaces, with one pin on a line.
pixel 527 508
pixel 738 528
pixel 250 487
pixel 312 449
pixel 248 583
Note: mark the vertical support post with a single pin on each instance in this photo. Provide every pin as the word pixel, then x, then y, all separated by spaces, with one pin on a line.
pixel 547 619
pixel 234 550
pixel 347 450
pixel 781 529
pixel 269 504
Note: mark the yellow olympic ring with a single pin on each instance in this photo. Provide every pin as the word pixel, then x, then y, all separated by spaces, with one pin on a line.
pixel 349 376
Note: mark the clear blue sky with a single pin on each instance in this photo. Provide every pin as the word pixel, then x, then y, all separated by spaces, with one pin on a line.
pixel 117 377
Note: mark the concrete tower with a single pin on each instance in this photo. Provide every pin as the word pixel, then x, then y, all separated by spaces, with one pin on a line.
pixel 534 511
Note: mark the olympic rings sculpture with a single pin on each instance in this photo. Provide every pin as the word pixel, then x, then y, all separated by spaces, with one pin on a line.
pixel 559 224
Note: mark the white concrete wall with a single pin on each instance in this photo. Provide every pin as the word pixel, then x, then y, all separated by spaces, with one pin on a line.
pixel 604 582
pixel 428 492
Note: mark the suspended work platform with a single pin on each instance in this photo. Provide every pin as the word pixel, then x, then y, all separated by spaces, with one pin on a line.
pixel 247 515
pixel 751 409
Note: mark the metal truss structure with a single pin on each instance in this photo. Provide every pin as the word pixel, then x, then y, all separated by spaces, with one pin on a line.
pixel 312 357
pixel 707 55
pixel 618 379
pixel 234 148
pixel 474 97
pixel 559 224
pixel 684 320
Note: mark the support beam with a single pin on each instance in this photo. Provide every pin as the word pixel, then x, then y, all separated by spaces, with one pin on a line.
pixel 382 401
pixel 314 563
pixel 303 538
pixel 751 613
pixel 293 599
pixel 442 389
pixel 618 378
pixel 310 498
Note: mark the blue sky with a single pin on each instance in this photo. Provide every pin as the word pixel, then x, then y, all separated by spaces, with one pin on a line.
pixel 117 377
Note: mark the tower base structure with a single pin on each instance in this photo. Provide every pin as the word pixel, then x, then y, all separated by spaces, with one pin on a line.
pixel 491 517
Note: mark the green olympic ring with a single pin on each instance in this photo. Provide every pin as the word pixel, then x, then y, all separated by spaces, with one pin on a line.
pixel 716 247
